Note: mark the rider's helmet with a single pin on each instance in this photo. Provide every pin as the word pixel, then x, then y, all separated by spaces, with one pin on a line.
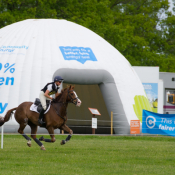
pixel 58 78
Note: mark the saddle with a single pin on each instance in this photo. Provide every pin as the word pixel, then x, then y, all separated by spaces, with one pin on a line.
pixel 39 105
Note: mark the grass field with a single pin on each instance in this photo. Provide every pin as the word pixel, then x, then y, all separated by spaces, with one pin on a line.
pixel 89 155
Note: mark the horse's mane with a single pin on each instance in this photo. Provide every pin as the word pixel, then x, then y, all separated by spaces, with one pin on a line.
pixel 59 96
pixel 61 93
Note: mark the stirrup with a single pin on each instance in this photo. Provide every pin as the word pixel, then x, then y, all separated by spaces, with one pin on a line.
pixel 40 122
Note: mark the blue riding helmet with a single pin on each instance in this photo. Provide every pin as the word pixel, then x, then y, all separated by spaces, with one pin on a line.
pixel 58 78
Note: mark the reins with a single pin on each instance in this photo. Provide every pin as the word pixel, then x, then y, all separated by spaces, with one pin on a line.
pixel 72 101
pixel 59 114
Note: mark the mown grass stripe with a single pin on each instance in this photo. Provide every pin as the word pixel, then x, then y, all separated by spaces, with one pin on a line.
pixel 89 154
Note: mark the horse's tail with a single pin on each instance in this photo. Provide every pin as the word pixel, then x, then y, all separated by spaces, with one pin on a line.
pixel 7 116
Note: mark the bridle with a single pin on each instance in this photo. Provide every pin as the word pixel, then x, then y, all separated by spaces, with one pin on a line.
pixel 72 99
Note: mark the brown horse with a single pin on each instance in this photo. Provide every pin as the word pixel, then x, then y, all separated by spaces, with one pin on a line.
pixel 55 118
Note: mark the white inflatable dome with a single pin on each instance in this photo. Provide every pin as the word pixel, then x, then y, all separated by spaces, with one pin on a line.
pixel 33 51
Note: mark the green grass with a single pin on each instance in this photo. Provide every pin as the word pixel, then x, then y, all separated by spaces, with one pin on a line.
pixel 89 155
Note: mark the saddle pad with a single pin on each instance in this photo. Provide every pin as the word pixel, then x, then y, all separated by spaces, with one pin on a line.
pixel 33 107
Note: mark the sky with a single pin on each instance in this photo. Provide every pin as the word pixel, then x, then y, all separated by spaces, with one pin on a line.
pixel 171 5
pixel 163 16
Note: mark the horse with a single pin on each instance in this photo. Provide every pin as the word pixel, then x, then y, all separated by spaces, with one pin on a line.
pixel 55 118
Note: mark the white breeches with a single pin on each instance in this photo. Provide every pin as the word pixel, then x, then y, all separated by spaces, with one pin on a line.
pixel 43 99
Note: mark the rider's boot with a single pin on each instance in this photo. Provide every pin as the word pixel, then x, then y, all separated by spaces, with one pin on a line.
pixel 41 117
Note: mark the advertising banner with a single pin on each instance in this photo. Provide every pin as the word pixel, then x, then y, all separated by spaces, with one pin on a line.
pixel 135 127
pixel 151 90
pixel 81 54
pixel 7 80
pixel 154 123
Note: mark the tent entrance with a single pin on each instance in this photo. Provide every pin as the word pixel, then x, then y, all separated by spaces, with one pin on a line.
pixel 80 118
pixel 105 81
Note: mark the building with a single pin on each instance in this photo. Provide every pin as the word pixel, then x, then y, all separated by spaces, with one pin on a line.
pixel 168 92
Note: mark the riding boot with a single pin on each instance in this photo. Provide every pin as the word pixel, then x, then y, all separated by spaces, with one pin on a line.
pixel 41 117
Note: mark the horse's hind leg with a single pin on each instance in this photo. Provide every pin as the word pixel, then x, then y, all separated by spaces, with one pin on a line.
pixel 67 129
pixel 33 135
pixel 21 131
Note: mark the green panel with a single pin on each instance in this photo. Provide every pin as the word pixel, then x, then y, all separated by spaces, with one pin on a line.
pixel 141 102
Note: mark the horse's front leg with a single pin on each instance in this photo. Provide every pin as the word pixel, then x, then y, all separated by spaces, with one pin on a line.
pixel 51 132
pixel 67 129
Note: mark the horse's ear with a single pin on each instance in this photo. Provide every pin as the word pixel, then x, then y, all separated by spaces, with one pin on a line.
pixel 71 87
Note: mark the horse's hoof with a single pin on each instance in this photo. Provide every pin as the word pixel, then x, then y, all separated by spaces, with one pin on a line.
pixel 43 148
pixel 62 142
pixel 29 143
pixel 41 138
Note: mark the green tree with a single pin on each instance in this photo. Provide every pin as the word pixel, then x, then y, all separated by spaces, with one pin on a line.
pixel 16 10
pixel 93 14
pixel 145 42
pixel 169 35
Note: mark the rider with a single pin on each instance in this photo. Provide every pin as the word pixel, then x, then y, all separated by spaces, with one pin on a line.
pixel 49 89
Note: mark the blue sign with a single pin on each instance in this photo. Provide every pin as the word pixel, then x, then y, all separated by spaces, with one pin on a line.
pixel 154 123
pixel 7 81
pixel 81 54
pixel 7 68
pixel 3 107
pixel 151 90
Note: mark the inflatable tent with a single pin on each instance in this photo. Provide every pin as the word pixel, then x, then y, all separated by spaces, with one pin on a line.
pixel 33 51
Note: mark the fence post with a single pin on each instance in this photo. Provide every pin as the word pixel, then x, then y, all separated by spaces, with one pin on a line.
pixel 2 135
pixel 93 129
pixel 62 131
pixel 111 123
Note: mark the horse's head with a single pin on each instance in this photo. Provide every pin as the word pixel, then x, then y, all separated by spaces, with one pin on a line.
pixel 72 96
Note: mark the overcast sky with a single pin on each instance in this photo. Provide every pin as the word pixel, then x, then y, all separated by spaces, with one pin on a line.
pixel 171 5
pixel 163 16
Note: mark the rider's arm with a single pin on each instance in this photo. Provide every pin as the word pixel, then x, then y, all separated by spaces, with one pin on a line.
pixel 56 95
pixel 46 94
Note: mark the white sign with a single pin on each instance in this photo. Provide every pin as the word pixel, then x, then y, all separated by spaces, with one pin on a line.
pixel 94 111
pixel 94 123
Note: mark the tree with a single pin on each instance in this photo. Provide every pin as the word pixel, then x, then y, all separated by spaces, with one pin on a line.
pixel 129 25
pixel 141 17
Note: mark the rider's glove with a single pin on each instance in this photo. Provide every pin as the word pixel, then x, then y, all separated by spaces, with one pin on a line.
pixel 53 99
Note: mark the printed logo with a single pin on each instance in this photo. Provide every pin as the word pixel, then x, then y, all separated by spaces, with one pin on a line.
pixel 3 107
pixel 7 68
pixel 80 54
pixel 150 122
pixel 13 49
